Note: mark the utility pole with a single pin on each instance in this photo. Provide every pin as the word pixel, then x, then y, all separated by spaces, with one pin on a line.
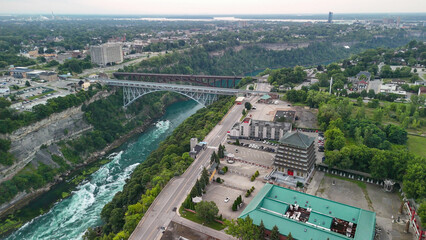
pixel 331 83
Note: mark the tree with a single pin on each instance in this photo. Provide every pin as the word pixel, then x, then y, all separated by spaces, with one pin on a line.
pixel 242 228
pixel 396 134
pixel 261 230
pixel 359 102
pixel 414 184
pixel 363 93
pixel 289 236
pixel 378 115
pixel 247 105
pixel 371 93
pixel 199 188
pixel 205 176
pixel 214 157
pixel 375 103
pixel 27 83
pixel 422 213
pixel 4 103
pixel 275 234
pixel 335 139
pixel 206 210
pixel 41 59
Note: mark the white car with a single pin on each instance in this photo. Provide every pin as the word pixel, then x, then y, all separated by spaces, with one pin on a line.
pixel 227 199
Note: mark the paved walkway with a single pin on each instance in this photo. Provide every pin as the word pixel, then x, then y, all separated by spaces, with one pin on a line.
pixel 203 229
pixel 314 185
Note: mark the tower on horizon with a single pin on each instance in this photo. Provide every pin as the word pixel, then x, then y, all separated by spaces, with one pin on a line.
pixel 330 17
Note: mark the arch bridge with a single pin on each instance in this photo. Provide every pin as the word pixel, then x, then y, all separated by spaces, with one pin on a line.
pixel 204 80
pixel 132 90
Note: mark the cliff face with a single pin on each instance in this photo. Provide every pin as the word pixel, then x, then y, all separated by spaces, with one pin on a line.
pixel 27 141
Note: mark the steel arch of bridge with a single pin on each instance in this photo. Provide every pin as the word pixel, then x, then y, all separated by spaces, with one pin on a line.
pixel 131 94
pixel 133 90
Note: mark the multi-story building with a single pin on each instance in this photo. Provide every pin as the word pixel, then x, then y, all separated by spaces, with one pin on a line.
pixel 296 154
pixel 261 130
pixel 106 54
pixel 330 17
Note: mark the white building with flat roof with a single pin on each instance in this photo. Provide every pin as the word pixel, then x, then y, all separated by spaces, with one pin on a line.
pixel 107 54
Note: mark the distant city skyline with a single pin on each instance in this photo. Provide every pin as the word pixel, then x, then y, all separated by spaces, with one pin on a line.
pixel 195 7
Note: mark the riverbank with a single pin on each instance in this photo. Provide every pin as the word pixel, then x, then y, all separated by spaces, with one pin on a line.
pixel 66 182
pixel 121 215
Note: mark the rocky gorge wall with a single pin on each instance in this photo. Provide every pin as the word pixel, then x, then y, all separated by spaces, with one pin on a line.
pixel 27 141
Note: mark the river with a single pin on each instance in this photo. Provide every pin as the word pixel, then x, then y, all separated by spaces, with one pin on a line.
pixel 69 218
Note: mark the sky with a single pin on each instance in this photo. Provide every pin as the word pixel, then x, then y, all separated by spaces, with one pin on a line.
pixel 195 7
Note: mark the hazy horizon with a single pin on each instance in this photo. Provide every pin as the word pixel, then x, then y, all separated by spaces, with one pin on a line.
pixel 217 7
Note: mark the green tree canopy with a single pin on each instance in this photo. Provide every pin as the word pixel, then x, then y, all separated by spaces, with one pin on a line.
pixel 206 210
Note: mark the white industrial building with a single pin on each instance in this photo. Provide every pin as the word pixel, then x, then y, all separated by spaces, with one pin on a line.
pixel 262 130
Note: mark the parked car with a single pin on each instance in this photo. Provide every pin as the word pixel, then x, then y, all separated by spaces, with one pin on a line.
pixel 226 199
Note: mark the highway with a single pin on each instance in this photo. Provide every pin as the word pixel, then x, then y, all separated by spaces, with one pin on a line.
pixel 160 212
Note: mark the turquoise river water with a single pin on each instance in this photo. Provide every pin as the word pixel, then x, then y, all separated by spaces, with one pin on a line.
pixel 69 218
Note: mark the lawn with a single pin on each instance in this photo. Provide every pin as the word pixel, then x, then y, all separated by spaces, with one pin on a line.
pixel 417 145
pixel 192 217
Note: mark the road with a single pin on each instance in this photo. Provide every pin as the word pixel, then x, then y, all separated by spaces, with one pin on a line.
pixel 160 212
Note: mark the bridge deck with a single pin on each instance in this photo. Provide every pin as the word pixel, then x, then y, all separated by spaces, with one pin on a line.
pixel 184 76
pixel 178 87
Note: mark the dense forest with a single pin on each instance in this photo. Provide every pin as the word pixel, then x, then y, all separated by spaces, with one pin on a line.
pixel 198 60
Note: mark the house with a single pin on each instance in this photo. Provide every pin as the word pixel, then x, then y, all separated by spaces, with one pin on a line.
pixel 64 76
pixel 363 75
pixel 362 85
pixel 419 82
pixel 195 150
pixel 265 99
pixel 49 76
pixel 19 72
pixel 422 90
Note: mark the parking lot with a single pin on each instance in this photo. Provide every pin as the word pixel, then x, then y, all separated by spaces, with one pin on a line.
pixel 372 198
pixel 250 154
pixel 236 183
pixel 38 93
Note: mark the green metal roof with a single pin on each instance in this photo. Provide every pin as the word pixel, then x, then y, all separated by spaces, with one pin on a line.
pixel 272 201
pixel 297 139
pixel 265 97
pixel 320 219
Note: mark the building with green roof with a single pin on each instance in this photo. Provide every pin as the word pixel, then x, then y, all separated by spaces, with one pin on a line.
pixel 309 217
pixel 296 154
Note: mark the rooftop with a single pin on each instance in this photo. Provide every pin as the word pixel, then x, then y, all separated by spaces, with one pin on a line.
pixel 309 217
pixel 265 97
pixel 297 139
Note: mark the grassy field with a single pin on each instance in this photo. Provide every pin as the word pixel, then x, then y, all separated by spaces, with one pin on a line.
pixel 417 145
pixel 191 216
